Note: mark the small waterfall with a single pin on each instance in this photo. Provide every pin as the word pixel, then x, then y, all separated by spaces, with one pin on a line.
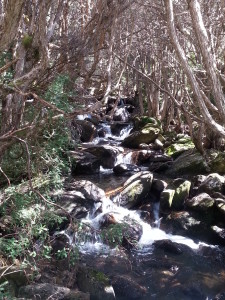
pixel 92 242
pixel 124 158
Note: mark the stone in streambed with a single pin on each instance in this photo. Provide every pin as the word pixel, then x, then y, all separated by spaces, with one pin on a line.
pixel 125 169
pixel 45 291
pixel 135 190
pixel 96 283
pixel 84 163
pixel 168 246
pixel 181 194
pixel 88 131
pixel 202 202
pixel 212 183
pixel 166 199
pixel 147 134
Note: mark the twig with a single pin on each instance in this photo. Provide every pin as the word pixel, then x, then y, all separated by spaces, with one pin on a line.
pixel 9 183
pixel 4 272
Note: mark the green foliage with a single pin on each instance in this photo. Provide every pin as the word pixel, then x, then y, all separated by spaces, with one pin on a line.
pixel 113 235
pixel 13 247
pixel 27 41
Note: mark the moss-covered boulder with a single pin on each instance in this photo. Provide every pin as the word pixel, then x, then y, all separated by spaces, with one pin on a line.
pixel 135 190
pixel 140 122
pixel 96 283
pixel 181 194
pixel 217 161
pixel 179 147
pixel 190 162
pixel 147 134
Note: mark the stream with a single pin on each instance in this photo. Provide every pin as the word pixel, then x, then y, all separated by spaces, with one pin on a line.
pixel 156 268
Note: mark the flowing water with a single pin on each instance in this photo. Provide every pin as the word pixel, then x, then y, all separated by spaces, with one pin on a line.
pixel 197 272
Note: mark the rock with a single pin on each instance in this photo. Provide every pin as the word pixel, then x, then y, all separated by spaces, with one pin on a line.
pixel 116 127
pixel 80 197
pixel 220 296
pixel 88 131
pixel 220 205
pixel 146 135
pixel 15 276
pixel 190 162
pixel 140 122
pixel 126 288
pixel 95 283
pixel 181 194
pixel 136 188
pixel 158 186
pixel 168 246
pixel 212 183
pixel 46 291
pixel 126 234
pixel 141 156
pixel 125 169
pixel 121 114
pixel 106 220
pixel 202 202
pixel 166 199
pixel 180 146
pixel 106 154
pixel 216 161
pixel 220 234
pixel 84 163
pixel 158 145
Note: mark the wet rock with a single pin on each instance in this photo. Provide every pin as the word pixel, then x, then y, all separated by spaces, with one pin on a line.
pixel 125 169
pixel 142 156
pixel 60 241
pixel 219 234
pixel 220 205
pixel 80 198
pixel 181 194
pixel 168 246
pixel 158 186
pixel 116 127
pixel 135 190
pixel 45 291
pixel 212 183
pixel 88 131
pixel 96 283
pixel 146 135
pixel 202 202
pixel 166 199
pixel 106 154
pixel 15 276
pixel 190 162
pixel 84 163
pixel 121 114
pixel 116 233
pixel 127 288
pixel 157 145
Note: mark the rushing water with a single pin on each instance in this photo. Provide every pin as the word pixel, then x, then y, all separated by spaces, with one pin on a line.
pixel 198 272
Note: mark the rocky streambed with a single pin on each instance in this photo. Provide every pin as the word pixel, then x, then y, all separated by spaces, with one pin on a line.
pixel 151 215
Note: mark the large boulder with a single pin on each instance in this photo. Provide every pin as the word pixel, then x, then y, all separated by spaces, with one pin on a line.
pixel 212 183
pixel 88 130
pixel 136 189
pixel 216 161
pixel 190 162
pixel 147 134
pixel 80 198
pixel 166 199
pixel 180 146
pixel 46 291
pixel 181 194
pixel 96 283
pixel 140 122
pixel 106 154
pixel 84 163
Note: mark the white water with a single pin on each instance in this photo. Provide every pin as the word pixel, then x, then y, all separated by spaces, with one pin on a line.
pixel 149 236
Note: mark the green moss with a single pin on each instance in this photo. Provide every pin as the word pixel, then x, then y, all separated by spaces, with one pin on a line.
pixel 27 41
pixel 99 277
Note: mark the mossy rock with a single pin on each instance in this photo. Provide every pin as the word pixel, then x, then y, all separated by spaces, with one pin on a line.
pixel 178 148
pixel 96 283
pixel 146 135
pixel 216 161
pixel 181 194
pixel 140 122
pixel 191 162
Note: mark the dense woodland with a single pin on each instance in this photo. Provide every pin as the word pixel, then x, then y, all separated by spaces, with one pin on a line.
pixel 64 58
